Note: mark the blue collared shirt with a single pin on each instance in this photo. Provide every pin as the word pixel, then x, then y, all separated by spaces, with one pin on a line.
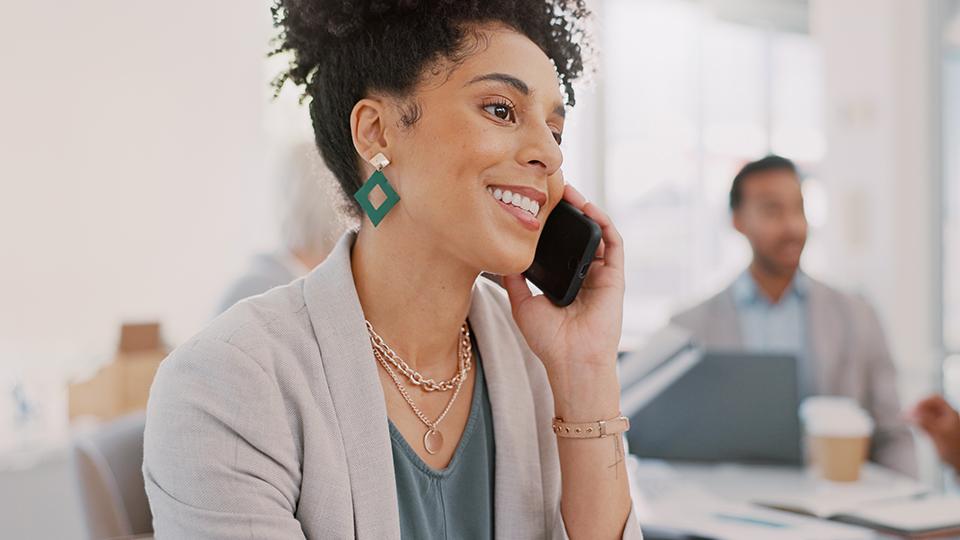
pixel 779 327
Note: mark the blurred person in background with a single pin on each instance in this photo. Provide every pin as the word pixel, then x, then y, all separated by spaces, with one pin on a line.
pixel 774 307
pixel 942 423
pixel 390 393
pixel 311 220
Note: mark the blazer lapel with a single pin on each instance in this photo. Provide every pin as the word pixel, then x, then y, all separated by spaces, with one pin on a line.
pixel 724 324
pixel 354 385
pixel 518 489
pixel 825 327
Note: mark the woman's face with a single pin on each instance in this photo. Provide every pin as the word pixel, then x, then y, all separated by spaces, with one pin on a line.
pixel 488 127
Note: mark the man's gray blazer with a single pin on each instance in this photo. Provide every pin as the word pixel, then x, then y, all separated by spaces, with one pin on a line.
pixel 849 354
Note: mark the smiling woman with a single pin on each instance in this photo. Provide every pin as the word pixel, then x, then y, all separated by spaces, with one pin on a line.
pixel 391 393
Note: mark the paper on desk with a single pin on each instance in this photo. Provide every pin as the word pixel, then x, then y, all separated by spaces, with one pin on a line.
pixel 826 499
pixel 914 515
pixel 664 499
pixel 731 521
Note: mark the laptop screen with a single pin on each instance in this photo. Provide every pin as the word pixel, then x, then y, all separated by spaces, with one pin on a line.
pixel 729 407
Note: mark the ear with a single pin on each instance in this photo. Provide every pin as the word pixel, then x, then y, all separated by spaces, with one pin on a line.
pixel 738 222
pixel 368 123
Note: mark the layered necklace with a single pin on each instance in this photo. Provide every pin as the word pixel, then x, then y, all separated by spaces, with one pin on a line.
pixel 392 363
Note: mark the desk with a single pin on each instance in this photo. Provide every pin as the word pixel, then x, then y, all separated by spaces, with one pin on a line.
pixel 718 500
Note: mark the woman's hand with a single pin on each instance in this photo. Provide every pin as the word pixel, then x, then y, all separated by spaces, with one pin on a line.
pixel 935 416
pixel 578 343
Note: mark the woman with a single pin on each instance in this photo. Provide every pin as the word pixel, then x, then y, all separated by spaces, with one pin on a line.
pixel 390 393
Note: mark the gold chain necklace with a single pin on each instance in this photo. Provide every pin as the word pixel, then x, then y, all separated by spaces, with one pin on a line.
pixel 415 378
pixel 432 439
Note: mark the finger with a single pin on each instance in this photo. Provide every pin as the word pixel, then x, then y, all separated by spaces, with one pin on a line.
pixel 937 402
pixel 928 426
pixel 612 241
pixel 933 422
pixel 931 399
pixel 517 290
pixel 915 414
pixel 921 415
pixel 924 423
pixel 574 197
pixel 598 255
pixel 933 405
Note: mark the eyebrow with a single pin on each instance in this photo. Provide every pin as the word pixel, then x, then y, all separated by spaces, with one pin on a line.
pixel 517 84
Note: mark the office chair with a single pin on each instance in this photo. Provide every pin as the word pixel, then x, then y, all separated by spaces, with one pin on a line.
pixel 108 463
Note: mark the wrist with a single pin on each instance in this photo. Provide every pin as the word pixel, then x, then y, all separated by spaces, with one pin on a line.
pixel 585 393
pixel 591 430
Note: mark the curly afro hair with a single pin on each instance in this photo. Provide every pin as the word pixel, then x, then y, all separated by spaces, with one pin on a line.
pixel 342 50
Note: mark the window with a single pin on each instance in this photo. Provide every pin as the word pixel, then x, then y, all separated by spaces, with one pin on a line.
pixel 950 150
pixel 690 96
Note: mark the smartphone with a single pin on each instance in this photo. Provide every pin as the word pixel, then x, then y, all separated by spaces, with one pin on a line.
pixel 566 248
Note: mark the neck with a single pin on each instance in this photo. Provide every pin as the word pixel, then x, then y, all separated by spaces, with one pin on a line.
pixel 415 295
pixel 772 282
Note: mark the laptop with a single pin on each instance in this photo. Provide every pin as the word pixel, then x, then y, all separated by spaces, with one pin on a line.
pixel 721 407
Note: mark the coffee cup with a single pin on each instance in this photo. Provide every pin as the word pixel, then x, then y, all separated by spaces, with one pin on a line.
pixel 837 436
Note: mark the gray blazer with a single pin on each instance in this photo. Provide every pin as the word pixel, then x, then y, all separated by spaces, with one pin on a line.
pixel 271 423
pixel 850 359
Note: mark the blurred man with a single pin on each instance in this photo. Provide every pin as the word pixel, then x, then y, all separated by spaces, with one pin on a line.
pixel 774 307
pixel 310 224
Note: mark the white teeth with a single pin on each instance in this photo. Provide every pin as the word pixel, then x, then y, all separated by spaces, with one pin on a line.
pixel 515 199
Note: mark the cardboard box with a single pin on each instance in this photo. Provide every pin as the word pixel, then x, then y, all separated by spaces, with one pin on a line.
pixel 123 385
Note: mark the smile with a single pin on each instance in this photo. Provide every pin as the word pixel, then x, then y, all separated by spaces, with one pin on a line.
pixel 515 199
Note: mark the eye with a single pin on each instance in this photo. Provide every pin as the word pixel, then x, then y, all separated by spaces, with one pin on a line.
pixel 502 110
pixel 557 136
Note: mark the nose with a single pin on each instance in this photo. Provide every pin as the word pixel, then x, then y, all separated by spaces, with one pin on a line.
pixel 540 150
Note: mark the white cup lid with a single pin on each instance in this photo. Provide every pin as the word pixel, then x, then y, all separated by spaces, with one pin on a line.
pixel 833 416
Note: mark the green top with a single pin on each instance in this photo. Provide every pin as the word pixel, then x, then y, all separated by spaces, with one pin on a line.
pixel 456 502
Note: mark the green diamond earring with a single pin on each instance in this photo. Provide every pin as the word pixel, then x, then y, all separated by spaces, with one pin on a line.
pixel 376 214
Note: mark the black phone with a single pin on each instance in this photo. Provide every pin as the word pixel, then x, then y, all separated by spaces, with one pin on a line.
pixel 566 248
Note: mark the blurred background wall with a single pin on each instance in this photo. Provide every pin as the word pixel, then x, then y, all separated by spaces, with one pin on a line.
pixel 134 159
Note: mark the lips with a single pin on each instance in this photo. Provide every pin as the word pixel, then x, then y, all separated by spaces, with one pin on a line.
pixel 522 204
